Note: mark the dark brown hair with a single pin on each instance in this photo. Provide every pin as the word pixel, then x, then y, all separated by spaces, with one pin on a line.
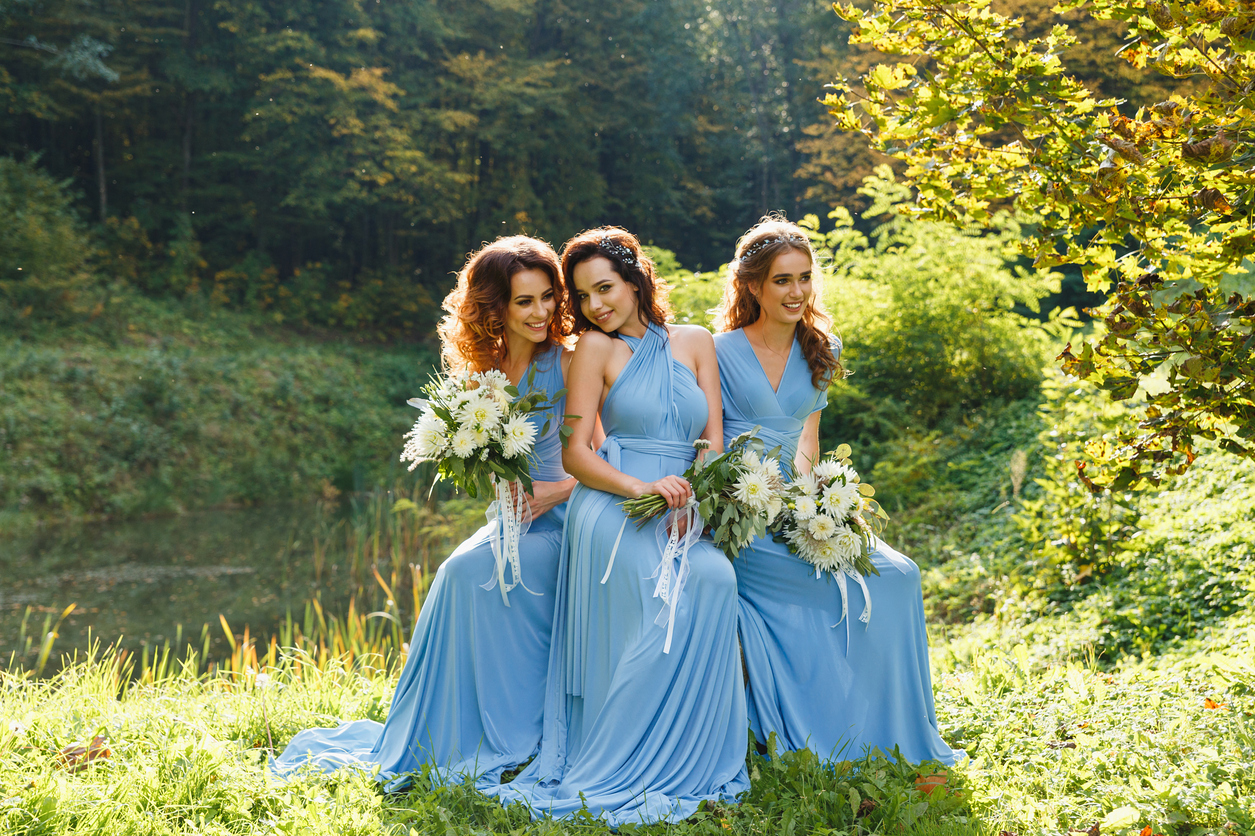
pixel 623 251
pixel 756 251
pixel 472 335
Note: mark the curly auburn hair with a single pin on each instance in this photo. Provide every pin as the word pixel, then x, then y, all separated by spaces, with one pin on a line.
pixel 472 335
pixel 623 251
pixel 756 251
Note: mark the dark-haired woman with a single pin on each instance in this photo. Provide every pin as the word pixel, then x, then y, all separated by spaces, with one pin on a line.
pixel 836 690
pixel 645 715
pixel 470 701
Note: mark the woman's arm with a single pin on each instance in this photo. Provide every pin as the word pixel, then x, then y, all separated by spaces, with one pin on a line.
pixel 808 444
pixel 586 384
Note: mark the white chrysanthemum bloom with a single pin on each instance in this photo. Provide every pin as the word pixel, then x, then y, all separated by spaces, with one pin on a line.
pixel 825 470
pixel 826 556
pixel 774 506
pixel 751 460
pixel 804 543
pixel 482 412
pixel 770 470
pixel 429 435
pixel 517 436
pixel 482 437
pixel 752 490
pixel 808 484
pixel 845 474
pixel 840 499
pixel 463 443
pixel 821 527
pixel 805 508
pixel 847 543
pixel 496 383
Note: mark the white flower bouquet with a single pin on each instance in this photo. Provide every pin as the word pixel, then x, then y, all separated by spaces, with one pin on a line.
pixel 830 520
pixel 474 426
pixel 737 493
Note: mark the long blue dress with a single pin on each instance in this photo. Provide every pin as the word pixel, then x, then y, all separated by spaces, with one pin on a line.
pixel 644 732
pixel 470 700
pixel 835 690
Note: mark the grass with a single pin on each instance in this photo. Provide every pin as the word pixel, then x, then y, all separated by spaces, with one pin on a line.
pixel 167 407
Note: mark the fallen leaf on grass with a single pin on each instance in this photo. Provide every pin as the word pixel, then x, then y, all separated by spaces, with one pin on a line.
pixel 927 783
pixel 1061 744
pixel 1210 703
pixel 77 756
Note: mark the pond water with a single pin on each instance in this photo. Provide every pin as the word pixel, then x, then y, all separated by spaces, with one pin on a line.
pixel 142 583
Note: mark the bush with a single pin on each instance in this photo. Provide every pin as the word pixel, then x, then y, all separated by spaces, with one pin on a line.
pixel 929 315
pixel 43 248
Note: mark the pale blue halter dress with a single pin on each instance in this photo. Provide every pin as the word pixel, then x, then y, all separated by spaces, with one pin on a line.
pixel 470 700
pixel 835 690
pixel 642 732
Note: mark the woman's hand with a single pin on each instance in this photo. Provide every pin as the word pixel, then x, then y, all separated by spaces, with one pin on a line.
pixel 675 490
pixel 546 496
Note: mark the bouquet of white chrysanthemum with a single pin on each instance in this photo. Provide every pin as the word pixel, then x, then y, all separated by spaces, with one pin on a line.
pixel 737 493
pixel 475 428
pixel 830 520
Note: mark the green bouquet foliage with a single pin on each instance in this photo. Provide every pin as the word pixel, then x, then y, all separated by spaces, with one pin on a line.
pixel 737 493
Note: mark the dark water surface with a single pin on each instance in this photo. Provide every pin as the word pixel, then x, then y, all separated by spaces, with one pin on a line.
pixel 135 582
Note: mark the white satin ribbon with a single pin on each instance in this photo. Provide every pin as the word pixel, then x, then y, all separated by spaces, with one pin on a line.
pixel 671 579
pixel 512 516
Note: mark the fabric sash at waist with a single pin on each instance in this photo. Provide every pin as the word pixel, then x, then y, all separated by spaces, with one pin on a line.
pixel 615 445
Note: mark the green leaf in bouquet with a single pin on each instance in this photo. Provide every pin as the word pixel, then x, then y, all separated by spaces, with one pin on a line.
pixel 443 413
pixel 544 428
pixel 512 390
pixel 729 511
pixel 866 489
pixel 499 469
pixel 842 452
pixel 559 395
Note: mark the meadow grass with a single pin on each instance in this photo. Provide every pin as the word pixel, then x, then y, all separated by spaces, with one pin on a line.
pixel 1164 742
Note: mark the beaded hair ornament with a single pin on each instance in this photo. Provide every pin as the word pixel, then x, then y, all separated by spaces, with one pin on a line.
pixel 621 253
pixel 757 246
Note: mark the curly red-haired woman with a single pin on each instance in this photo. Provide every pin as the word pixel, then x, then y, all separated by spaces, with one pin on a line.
pixel 470 700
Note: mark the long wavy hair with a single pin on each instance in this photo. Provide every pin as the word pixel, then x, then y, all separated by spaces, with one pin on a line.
pixel 623 251
pixel 755 252
pixel 472 334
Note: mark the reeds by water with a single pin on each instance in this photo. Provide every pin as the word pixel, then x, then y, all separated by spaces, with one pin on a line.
pixel 390 542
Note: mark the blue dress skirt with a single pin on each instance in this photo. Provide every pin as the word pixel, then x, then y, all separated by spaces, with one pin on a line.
pixel 837 690
pixel 638 729
pixel 470 700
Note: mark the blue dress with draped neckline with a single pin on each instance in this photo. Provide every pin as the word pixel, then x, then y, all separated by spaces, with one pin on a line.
pixel 470 700
pixel 643 733
pixel 835 690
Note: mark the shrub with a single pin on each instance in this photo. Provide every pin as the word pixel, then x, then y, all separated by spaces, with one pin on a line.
pixel 43 248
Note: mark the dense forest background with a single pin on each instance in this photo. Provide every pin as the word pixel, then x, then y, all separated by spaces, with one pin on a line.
pixel 331 162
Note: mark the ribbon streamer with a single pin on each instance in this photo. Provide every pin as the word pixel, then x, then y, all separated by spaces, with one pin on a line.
pixel 671 579
pixel 511 517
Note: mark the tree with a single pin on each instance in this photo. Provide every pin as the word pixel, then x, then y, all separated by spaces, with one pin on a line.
pixel 1154 203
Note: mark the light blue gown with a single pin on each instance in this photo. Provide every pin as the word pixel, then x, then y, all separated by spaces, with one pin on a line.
pixel 835 690
pixel 470 700
pixel 642 733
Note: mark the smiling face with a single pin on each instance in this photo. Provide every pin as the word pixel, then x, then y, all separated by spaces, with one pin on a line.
pixel 787 289
pixel 531 306
pixel 605 299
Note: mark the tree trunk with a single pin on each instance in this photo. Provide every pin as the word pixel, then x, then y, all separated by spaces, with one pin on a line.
pixel 100 165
